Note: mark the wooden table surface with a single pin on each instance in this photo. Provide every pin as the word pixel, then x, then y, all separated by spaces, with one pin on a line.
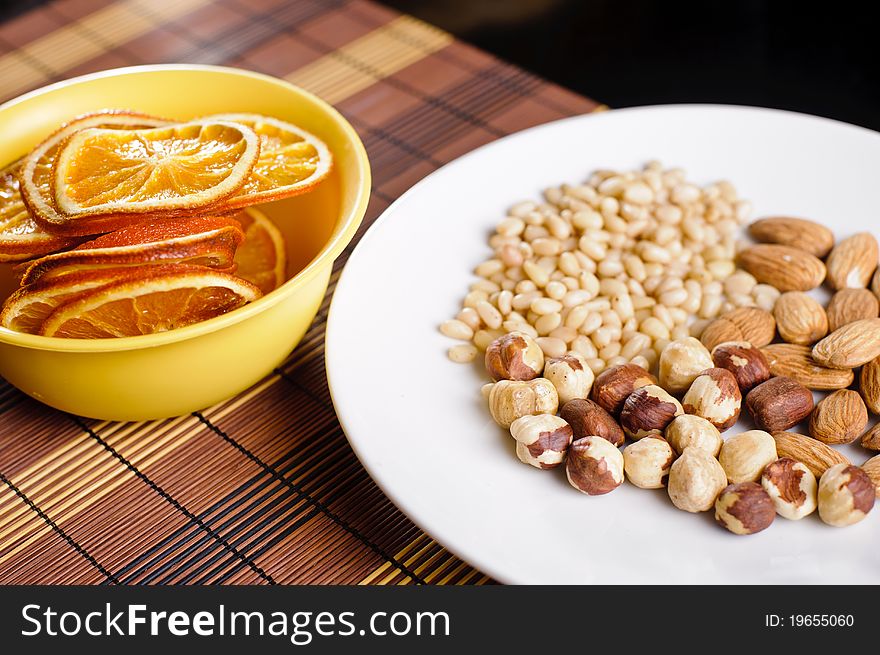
pixel 262 488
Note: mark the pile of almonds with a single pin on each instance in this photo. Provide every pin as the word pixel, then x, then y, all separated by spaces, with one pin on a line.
pixel 771 351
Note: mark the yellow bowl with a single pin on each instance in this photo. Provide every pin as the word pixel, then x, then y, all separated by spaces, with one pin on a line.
pixel 180 371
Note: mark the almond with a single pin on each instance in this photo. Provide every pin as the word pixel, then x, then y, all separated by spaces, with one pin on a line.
pixel 850 346
pixel 849 305
pixel 872 468
pixel 813 454
pixel 720 331
pixel 758 326
pixel 869 385
pixel 779 403
pixel 839 418
pixel 871 438
pixel 795 232
pixel 784 267
pixel 875 283
pixel 800 318
pixel 853 261
pixel 797 362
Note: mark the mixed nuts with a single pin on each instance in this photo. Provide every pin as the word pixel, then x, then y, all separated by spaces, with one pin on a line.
pixel 605 282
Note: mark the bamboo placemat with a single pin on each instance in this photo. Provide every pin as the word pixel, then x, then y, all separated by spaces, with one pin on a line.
pixel 262 488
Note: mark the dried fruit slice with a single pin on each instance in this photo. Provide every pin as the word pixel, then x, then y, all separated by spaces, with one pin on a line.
pixel 291 161
pixel 27 308
pixel 149 301
pixel 186 166
pixel 201 240
pixel 20 237
pixel 36 172
pixel 262 256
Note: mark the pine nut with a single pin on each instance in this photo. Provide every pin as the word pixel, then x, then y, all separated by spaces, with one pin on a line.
pixel 490 315
pixel 547 323
pixel 455 329
pixel 462 353
pixel 551 346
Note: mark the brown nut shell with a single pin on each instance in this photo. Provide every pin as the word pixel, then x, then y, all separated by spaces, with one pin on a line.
pixel 514 356
pixel 744 508
pixel 648 410
pixel 747 363
pixel 613 385
pixel 587 418
pixel 779 403
pixel 594 466
pixel 839 417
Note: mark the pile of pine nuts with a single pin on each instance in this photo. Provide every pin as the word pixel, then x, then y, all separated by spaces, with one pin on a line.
pixel 613 269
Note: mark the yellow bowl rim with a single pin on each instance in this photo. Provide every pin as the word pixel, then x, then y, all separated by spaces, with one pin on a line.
pixel 332 249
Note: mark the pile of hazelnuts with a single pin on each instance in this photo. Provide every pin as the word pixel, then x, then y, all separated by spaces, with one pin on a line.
pixel 559 414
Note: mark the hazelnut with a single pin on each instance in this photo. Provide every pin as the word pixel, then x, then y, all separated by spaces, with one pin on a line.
pixel 570 375
pixel 695 480
pixel 541 440
pixel 514 356
pixel 744 508
pixel 846 495
pixel 791 486
pixel 840 417
pixel 689 430
pixel 587 419
pixel 511 399
pixel 594 466
pixel 646 462
pixel 744 456
pixel 714 395
pixel 779 403
pixel 681 361
pixel 613 385
pixel 748 364
pixel 648 410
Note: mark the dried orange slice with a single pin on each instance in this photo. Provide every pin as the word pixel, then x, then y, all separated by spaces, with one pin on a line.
pixel 186 166
pixel 291 160
pixel 262 257
pixel 203 240
pixel 149 301
pixel 37 175
pixel 27 308
pixel 20 237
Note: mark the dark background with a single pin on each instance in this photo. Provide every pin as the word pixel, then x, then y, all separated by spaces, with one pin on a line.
pixel 819 58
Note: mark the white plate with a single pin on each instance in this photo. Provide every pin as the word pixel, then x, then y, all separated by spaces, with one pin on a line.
pixel 417 420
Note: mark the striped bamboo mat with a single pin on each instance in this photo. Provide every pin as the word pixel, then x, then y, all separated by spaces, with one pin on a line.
pixel 262 488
